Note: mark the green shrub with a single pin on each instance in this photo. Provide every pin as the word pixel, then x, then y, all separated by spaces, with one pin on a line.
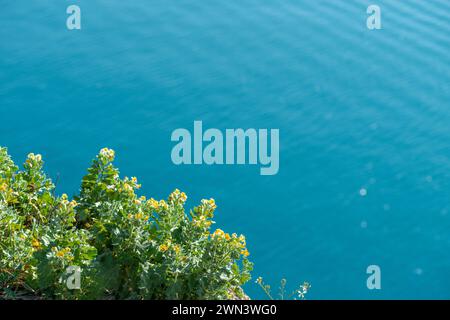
pixel 126 246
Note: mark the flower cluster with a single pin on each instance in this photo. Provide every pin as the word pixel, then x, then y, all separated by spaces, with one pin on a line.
pixel 33 160
pixel 107 154
pixel 211 203
pixel 62 252
pixel 66 203
pixel 36 244
pixel 177 195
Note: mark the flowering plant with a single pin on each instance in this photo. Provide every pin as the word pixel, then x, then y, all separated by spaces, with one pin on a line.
pixel 126 246
pixel 299 293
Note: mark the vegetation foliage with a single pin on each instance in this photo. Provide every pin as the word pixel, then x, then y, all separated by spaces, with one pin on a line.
pixel 127 246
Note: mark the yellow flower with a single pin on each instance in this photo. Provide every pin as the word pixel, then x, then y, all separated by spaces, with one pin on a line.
pixel 139 215
pixel 137 201
pixel 227 236
pixel 163 248
pixel 163 204
pixel 196 222
pixel 201 221
pixel 135 182
pixel 218 233
pixel 176 248
pixel 245 253
pixel 36 244
pixel 3 187
pixel 242 240
pixel 210 203
pixel 153 203
pixel 177 195
pixel 73 203
pixel 60 254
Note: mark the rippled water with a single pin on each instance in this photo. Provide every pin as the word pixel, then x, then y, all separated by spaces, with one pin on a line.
pixel 360 113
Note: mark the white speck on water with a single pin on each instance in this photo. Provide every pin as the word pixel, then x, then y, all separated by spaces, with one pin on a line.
pixel 363 224
pixel 363 192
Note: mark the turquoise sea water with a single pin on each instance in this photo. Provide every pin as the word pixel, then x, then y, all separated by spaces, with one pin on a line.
pixel 357 110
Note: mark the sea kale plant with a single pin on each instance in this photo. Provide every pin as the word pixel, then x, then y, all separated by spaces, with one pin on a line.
pixel 126 246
